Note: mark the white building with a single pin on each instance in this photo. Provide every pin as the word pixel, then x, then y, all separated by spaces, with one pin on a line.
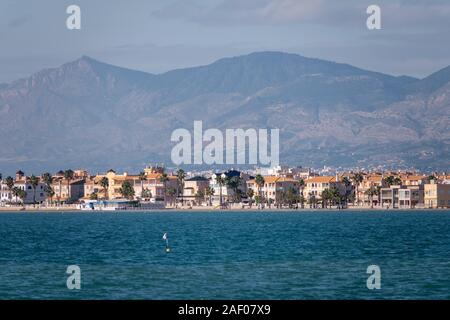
pixel 22 182
pixel 223 190
pixel 5 195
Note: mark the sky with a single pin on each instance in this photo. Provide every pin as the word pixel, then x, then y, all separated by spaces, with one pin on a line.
pixel 159 35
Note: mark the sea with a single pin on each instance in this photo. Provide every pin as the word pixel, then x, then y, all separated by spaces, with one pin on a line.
pixel 251 255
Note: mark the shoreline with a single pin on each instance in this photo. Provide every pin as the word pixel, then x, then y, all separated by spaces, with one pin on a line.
pixel 209 209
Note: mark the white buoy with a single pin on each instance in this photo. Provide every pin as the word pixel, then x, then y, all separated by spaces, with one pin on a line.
pixel 166 238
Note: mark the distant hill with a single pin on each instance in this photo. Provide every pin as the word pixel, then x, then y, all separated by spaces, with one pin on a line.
pixel 94 115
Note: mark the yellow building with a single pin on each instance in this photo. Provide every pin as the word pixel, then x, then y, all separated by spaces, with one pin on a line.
pixel 273 187
pixel 193 186
pixel 151 184
pixel 436 195
pixel 316 185
pixel 115 181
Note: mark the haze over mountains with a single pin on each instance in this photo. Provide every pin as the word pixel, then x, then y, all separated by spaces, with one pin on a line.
pixel 88 114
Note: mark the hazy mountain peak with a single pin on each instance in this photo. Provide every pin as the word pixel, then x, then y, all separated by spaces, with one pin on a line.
pixel 87 113
pixel 433 82
pixel 261 55
pixel 88 63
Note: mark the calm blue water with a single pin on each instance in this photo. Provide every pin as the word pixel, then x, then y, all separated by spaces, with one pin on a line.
pixel 225 255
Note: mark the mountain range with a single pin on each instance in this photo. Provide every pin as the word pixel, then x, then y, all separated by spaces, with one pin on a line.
pixel 93 115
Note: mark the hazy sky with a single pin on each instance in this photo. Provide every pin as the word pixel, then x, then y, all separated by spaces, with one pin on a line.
pixel 159 35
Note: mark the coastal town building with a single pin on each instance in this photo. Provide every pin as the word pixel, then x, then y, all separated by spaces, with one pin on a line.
pixel 154 187
pixel 410 197
pixel 5 193
pixel 223 190
pixel 315 186
pixel 194 188
pixel 403 197
pixel 289 172
pixel 91 187
pixel 436 195
pixel 414 180
pixel 367 191
pixel 67 190
pixel 115 181
pixel 147 186
pixel 32 194
pixel 387 189
pixel 274 188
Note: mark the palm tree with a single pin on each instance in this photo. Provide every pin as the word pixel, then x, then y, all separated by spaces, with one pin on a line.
pixel 378 194
pixel 34 183
pixel 17 192
pixel 291 196
pixel 335 196
pixel 142 178
pixel 199 196
pixel 171 192
pixel 397 181
pixel 326 197
pixel 209 191
pixel 389 180
pixel 250 194
pixel 68 175
pixel 127 190
pixel 60 186
pixel 163 179
pixel 10 185
pixel 258 200
pixel 49 192
pixel 234 183
pixel 357 179
pixel 312 200
pixel 47 178
pixel 181 175
pixel 301 186
pixel 348 190
pixel 22 195
pixel 280 198
pixel 220 181
pixel 104 182
pixel 301 199
pixel 259 180
pixel 370 193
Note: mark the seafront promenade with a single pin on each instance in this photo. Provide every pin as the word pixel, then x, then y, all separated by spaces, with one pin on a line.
pixel 235 208
pixel 277 188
